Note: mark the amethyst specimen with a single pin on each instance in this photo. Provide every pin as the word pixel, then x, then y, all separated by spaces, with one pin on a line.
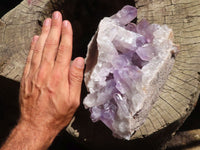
pixel 126 66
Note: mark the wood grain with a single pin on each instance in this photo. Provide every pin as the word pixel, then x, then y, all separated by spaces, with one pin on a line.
pixel 178 96
pixel 17 28
pixel 180 93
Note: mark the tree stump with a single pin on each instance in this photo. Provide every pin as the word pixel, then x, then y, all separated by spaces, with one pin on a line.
pixel 179 94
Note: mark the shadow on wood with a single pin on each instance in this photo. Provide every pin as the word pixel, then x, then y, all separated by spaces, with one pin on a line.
pixel 179 95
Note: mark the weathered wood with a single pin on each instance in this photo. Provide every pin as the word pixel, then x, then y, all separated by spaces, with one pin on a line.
pixel 17 28
pixel 177 98
pixel 180 93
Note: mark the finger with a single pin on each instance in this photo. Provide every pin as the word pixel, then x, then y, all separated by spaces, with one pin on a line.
pixel 52 42
pixel 64 53
pixel 38 50
pixel 29 58
pixel 75 78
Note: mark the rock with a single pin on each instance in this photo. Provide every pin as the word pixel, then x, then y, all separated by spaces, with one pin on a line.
pixel 126 66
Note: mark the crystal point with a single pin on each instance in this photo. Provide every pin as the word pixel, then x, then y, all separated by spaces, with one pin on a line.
pixel 125 15
pixel 126 66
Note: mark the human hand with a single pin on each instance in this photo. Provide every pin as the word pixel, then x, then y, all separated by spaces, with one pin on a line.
pixel 51 86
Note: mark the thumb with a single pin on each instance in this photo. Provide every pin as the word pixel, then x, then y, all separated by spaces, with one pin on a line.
pixel 76 78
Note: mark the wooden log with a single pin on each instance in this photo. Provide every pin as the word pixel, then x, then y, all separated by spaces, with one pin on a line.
pixel 180 93
pixel 178 96
pixel 17 28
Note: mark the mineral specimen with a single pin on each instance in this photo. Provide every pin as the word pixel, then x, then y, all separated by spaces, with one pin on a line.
pixel 126 66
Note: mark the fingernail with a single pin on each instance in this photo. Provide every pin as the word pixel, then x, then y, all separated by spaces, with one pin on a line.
pixel 46 22
pixel 55 15
pixel 80 63
pixel 65 23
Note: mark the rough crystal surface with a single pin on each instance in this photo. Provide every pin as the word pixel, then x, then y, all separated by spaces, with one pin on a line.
pixel 126 66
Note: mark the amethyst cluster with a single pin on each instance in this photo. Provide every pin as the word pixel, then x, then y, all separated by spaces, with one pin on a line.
pixel 126 66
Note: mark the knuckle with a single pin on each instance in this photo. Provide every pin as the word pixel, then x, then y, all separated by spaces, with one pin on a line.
pixel 45 30
pixel 46 62
pixel 28 60
pixel 51 42
pixel 36 50
pixel 63 47
pixel 34 63
pixel 76 77
pixel 55 24
pixel 59 59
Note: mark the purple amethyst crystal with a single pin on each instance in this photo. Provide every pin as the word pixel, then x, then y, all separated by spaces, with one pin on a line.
pixel 126 15
pixel 126 65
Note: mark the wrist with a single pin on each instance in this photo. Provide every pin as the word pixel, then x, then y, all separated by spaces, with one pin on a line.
pixel 38 127
pixel 27 136
pixel 41 137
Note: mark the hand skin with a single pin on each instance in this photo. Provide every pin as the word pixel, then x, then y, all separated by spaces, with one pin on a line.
pixel 50 87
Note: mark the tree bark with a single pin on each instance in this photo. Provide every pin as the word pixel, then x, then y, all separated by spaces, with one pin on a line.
pixel 177 98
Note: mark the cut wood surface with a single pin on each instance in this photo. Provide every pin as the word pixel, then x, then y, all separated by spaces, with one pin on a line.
pixel 17 28
pixel 180 93
pixel 178 96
